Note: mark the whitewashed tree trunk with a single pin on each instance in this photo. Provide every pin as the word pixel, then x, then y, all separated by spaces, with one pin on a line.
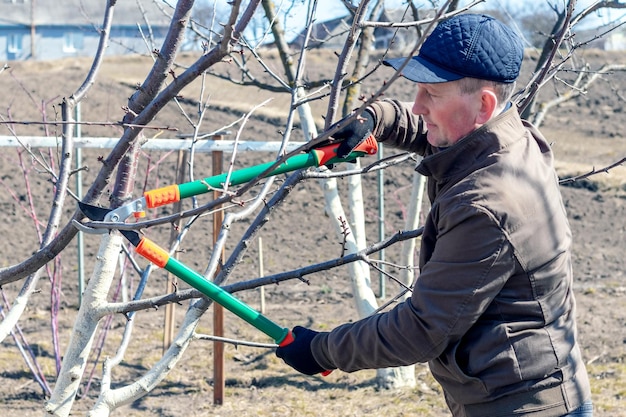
pixel 110 399
pixel 356 210
pixel 407 275
pixel 19 304
pixel 359 272
pixel 404 376
pixel 363 295
pixel 77 354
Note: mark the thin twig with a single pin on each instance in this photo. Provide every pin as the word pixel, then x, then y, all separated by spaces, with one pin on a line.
pixel 593 171
pixel 235 342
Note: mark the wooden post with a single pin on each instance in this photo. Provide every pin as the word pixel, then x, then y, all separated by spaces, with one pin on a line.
pixel 218 310
pixel 170 284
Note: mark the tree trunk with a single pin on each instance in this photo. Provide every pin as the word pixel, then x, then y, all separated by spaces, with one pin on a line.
pixel 404 376
pixel 77 354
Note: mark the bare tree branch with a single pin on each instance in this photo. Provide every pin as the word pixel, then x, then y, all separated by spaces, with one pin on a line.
pixel 593 172
pixel 561 29
pixel 580 86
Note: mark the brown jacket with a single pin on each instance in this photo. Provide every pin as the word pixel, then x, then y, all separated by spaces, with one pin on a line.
pixel 492 311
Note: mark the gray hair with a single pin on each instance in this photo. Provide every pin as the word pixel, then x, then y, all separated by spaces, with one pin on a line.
pixel 503 91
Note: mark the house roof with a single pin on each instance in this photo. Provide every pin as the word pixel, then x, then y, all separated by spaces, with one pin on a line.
pixel 82 12
pixel 323 32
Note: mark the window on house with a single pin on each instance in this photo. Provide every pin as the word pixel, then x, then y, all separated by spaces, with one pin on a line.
pixel 15 1
pixel 14 43
pixel 72 42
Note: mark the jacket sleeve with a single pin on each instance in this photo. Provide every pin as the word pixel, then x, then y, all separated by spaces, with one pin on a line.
pixel 398 127
pixel 468 268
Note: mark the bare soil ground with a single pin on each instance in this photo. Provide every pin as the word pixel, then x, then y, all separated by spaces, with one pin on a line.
pixel 586 133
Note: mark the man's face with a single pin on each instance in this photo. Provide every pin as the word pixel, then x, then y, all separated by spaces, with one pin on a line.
pixel 448 113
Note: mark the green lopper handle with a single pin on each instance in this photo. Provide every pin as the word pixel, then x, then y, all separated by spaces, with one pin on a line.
pixel 316 157
pixel 244 175
pixel 159 256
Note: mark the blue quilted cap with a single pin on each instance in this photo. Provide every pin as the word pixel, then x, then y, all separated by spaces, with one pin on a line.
pixel 466 45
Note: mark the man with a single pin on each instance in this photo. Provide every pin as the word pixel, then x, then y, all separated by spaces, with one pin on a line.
pixel 492 310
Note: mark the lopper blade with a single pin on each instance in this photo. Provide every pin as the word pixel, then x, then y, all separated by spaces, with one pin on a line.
pixel 92 212
pixel 98 214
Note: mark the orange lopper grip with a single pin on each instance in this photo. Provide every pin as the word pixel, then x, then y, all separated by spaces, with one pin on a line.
pixel 162 196
pixel 153 252
pixel 324 154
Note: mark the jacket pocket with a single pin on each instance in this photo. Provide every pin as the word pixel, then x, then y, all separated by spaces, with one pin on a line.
pixel 451 372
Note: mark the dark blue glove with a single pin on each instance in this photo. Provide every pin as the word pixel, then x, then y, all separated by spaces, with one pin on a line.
pixel 354 133
pixel 298 355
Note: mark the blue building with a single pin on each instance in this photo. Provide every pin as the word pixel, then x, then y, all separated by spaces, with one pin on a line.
pixel 53 29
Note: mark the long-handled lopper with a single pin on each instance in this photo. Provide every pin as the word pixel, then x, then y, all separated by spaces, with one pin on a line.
pixel 325 155
pixel 173 193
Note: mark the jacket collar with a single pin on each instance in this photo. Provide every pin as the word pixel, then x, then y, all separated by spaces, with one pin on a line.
pixel 494 135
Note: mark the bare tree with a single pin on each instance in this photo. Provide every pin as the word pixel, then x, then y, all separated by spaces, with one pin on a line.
pixel 553 60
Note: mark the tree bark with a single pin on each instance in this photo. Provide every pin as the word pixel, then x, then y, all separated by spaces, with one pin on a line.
pixel 81 340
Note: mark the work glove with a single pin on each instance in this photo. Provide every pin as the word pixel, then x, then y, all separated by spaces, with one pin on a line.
pixel 354 133
pixel 298 355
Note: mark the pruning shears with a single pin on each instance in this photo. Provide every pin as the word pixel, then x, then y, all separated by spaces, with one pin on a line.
pixel 324 155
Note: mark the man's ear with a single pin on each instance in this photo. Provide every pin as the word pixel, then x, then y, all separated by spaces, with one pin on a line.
pixel 488 105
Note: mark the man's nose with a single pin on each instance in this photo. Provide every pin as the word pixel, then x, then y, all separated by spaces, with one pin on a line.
pixel 418 107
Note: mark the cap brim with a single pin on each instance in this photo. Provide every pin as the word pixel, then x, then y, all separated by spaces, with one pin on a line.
pixel 420 70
